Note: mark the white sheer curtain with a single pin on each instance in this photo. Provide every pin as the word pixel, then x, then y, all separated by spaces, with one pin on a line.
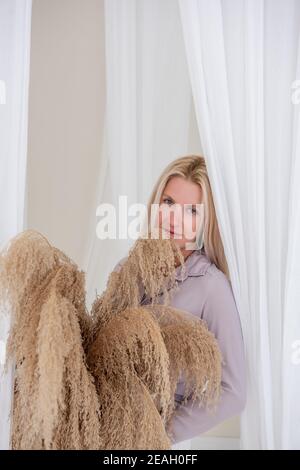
pixel 242 58
pixel 15 24
pixel 235 61
pixel 148 110
pixel 149 113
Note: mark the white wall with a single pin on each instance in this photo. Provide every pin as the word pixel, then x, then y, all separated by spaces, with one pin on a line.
pixel 66 110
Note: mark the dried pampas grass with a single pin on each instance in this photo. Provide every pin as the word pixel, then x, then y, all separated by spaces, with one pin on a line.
pixel 104 379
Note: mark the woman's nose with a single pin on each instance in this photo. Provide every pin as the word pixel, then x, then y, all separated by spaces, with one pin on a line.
pixel 176 218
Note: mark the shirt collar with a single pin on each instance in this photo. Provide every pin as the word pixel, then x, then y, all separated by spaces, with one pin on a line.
pixel 196 264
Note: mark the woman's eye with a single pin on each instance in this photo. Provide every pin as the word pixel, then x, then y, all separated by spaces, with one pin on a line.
pixel 167 200
pixel 192 210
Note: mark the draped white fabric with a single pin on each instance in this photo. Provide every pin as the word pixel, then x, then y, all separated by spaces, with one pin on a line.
pixel 291 300
pixel 148 109
pixel 242 58
pixel 149 114
pixel 235 62
pixel 15 25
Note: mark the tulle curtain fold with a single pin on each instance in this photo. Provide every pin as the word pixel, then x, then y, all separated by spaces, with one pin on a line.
pixel 242 57
pixel 15 27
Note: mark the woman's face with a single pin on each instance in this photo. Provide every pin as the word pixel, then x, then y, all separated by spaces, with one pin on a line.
pixel 180 212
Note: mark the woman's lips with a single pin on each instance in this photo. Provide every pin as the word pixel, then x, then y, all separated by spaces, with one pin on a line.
pixel 172 232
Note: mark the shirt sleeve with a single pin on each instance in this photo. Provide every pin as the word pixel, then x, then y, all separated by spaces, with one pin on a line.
pixel 222 318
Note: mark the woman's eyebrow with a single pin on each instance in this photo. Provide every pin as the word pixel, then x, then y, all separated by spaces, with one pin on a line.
pixel 164 194
pixel 186 204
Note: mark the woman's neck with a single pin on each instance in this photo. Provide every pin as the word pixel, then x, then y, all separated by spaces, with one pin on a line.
pixel 185 254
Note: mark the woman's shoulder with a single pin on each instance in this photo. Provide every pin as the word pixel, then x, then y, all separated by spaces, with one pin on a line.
pixel 217 283
pixel 199 264
pixel 220 301
pixel 214 274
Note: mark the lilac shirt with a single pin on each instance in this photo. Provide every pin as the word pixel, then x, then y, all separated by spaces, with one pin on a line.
pixel 206 292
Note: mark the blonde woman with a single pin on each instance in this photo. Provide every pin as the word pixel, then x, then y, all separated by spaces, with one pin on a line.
pixel 204 288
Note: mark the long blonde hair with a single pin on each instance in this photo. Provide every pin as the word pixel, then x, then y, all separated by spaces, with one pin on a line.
pixel 193 168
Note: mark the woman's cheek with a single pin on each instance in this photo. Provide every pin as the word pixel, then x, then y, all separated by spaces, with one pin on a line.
pixel 162 216
pixel 167 216
pixel 189 228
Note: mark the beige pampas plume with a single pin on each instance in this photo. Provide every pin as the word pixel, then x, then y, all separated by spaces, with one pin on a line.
pixel 56 405
pixel 104 380
pixel 150 267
